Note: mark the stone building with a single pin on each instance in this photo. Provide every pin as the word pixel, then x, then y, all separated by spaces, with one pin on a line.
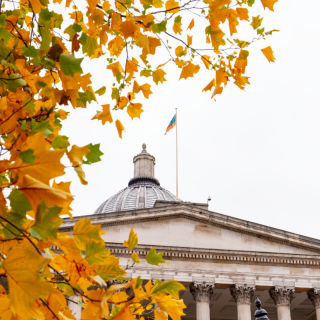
pixel 222 261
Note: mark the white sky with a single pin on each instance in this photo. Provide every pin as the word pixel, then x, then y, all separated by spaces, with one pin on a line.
pixel 255 152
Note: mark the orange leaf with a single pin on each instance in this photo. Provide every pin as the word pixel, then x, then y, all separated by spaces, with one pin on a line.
pixel 268 54
pixel 105 115
pixel 189 39
pixel 206 60
pixel 115 68
pixel 76 154
pixel 189 71
pixel 243 13
pixel 172 6
pixel 134 110
pixel 191 25
pixel 119 127
pixel 128 28
pixel 268 4
pixel 209 86
pixel 145 88
pixel 158 75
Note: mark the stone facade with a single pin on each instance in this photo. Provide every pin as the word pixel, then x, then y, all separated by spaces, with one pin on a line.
pixel 223 261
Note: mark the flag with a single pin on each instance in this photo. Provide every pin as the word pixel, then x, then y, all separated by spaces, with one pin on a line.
pixel 171 124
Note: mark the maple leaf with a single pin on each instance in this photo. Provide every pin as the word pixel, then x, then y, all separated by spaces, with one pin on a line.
pixel 189 70
pixel 154 258
pixel 134 110
pixel 116 46
pixel 168 287
pixel 158 76
pixel 191 25
pixel 268 4
pixel 46 222
pixel 45 166
pixel 105 115
pixel 241 61
pixel 189 40
pixel 132 242
pixel 76 154
pixel 268 53
pixel 172 6
pixel 209 85
pixel 145 88
pixel 206 60
pixel 243 13
pixel 256 22
pixel 115 68
pixel 110 269
pixel 23 266
pixel 128 28
pixel 180 63
pixel 84 232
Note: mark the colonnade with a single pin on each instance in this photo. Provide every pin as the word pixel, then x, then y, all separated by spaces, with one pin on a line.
pixel 243 296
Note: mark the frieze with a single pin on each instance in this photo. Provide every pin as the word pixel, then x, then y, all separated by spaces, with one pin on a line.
pixel 211 256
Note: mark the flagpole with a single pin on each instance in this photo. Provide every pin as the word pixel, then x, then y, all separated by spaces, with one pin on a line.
pixel 177 155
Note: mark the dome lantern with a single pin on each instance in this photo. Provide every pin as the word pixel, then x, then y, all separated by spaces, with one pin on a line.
pixel 143 189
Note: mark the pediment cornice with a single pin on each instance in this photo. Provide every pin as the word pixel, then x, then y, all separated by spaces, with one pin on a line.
pixel 201 215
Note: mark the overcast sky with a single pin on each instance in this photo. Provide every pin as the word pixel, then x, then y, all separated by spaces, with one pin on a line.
pixel 255 152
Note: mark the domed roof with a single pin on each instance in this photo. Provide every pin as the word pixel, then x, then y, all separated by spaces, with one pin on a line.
pixel 143 189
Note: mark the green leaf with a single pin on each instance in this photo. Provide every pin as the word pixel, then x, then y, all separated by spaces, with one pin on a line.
pixel 101 91
pixel 60 142
pixel 90 46
pixel 250 3
pixel 66 289
pixel 46 223
pixel 2 20
pixel 19 202
pixel 115 94
pixel 40 126
pixel 146 73
pixel 15 82
pixel 159 27
pixel 85 97
pixel 94 154
pixel 46 37
pixel 171 287
pixel 5 35
pixel 110 269
pixel 27 156
pixel 76 27
pixel 270 32
pixel 70 65
pixel 7 64
pixel 177 19
pixel 70 31
pixel 30 51
pixel 256 22
pixel 139 282
pixel 154 258
pixel 41 84
pixel 96 252
pixel 260 31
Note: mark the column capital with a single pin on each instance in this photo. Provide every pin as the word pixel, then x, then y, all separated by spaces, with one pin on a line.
pixel 314 296
pixel 242 293
pixel 281 295
pixel 201 291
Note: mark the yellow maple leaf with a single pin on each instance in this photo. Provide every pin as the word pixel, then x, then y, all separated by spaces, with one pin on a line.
pixel 189 70
pixel 256 22
pixel 36 191
pixel 177 28
pixel 46 164
pixel 180 63
pixel 209 85
pixel 119 127
pixel 134 110
pixel 180 52
pixel 36 5
pixel 243 13
pixel 206 60
pixel 217 90
pixel 128 28
pixel 268 53
pixel 115 68
pixel 76 154
pixel 268 4
pixel 172 6
pixel 116 46
pixel 132 66
pixel 145 88
pixel 23 266
pixel 105 115
pixel 191 25
pixel 158 75
pixel 189 40
pixel 242 61
pixel 221 77
pixel 106 6
pixel 132 242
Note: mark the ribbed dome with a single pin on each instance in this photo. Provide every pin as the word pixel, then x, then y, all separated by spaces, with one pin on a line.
pixel 143 189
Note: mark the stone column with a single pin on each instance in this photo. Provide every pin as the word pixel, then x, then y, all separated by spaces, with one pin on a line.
pixel 202 293
pixel 243 296
pixel 74 307
pixel 282 297
pixel 314 296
